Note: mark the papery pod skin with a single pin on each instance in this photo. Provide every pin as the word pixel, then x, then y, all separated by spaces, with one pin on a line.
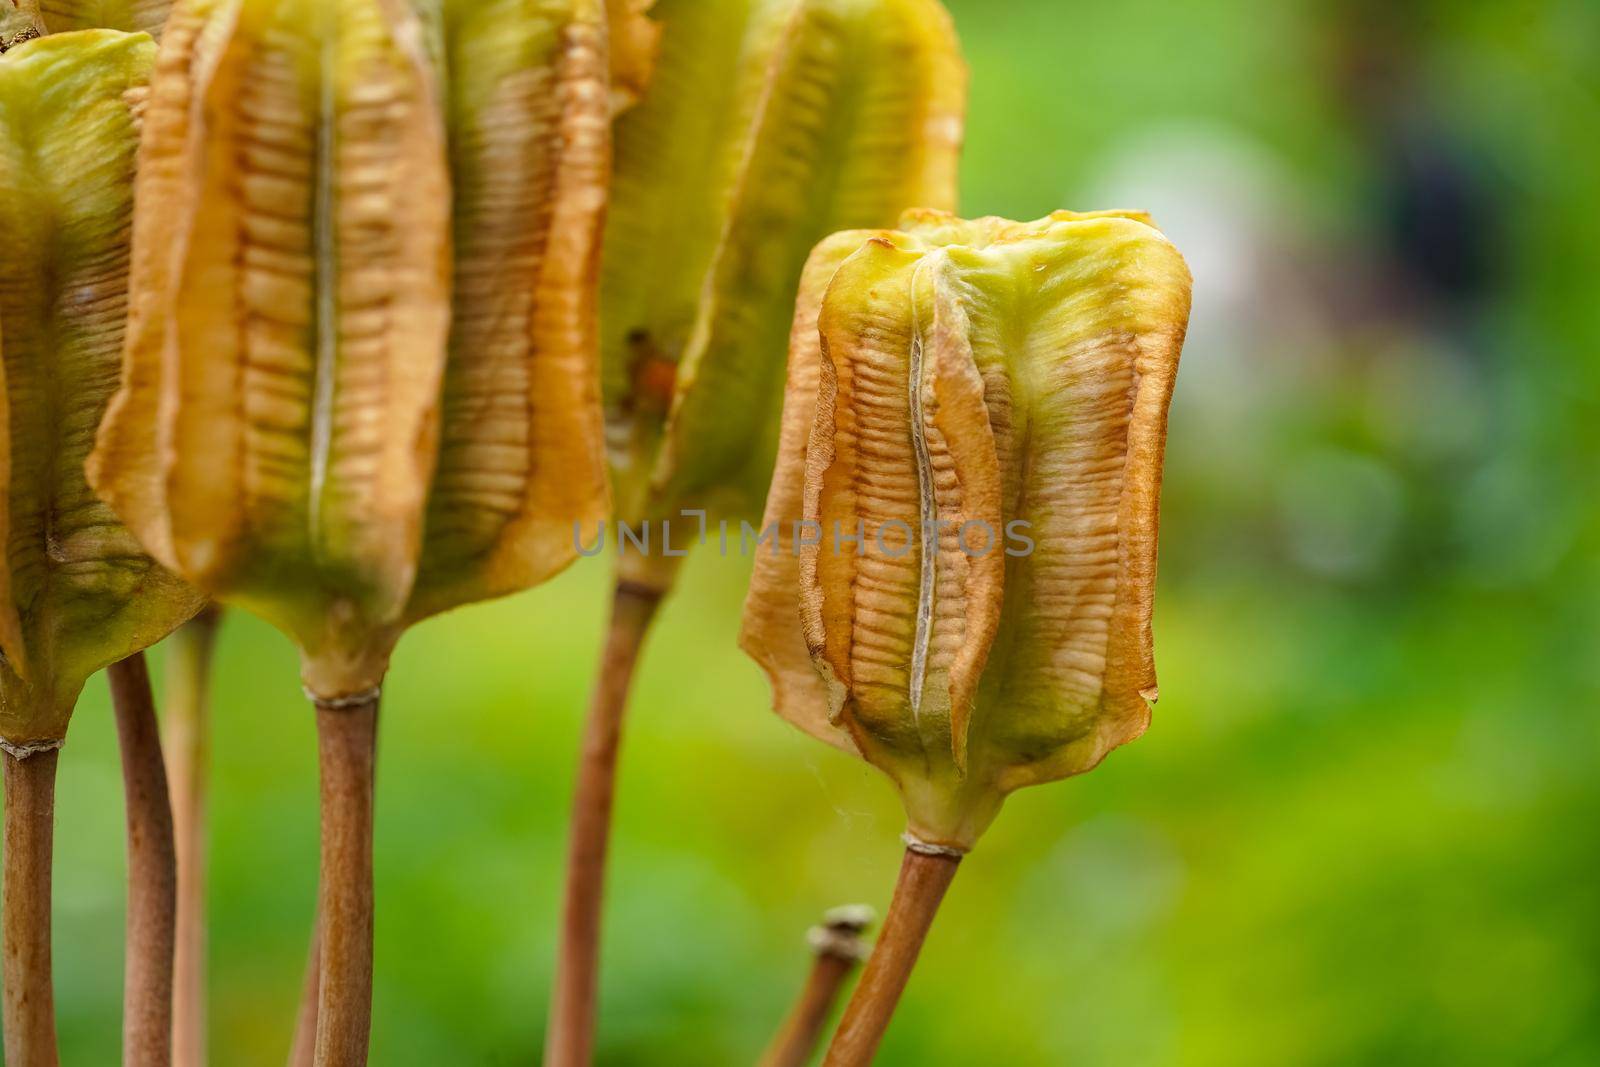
pixel 76 591
pixel 979 372
pixel 809 117
pixel 522 456
pixel 138 16
pixel 278 421
pixel 295 177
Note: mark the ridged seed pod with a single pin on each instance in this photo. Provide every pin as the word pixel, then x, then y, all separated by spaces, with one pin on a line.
pixel 360 376
pixel 77 593
pixel 1003 389
pixel 769 124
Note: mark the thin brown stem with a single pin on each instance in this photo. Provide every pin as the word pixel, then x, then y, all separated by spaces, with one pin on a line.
pixel 186 740
pixel 346 735
pixel 303 1050
pixel 570 1040
pixel 152 871
pixel 30 1018
pixel 838 949
pixel 923 881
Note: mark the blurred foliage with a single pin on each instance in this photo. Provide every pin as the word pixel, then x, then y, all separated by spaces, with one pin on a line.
pixel 1355 833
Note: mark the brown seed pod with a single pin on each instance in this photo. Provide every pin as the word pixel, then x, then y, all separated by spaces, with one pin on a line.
pixel 360 381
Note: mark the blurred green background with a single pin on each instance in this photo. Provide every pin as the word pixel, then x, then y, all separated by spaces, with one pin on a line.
pixel 1362 828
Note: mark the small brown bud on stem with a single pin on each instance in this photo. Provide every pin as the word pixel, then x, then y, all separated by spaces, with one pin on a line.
pixel 838 949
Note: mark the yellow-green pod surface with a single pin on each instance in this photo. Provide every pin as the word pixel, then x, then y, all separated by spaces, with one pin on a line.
pixel 769 123
pixel 983 406
pixel 352 376
pixel 76 591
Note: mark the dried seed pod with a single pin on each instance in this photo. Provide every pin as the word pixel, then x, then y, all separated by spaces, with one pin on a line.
pixel 138 16
pixel 982 406
pixel 360 381
pixel 521 455
pixel 76 592
pixel 769 124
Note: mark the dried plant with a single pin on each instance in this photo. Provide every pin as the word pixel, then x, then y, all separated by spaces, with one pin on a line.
pixel 76 592
pixel 359 383
pixel 967 496
pixel 768 124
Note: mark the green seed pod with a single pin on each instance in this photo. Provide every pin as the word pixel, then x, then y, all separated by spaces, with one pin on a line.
pixel 361 380
pixel 769 124
pixel 982 407
pixel 76 591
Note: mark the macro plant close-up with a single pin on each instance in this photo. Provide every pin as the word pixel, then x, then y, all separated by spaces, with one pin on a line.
pixel 628 395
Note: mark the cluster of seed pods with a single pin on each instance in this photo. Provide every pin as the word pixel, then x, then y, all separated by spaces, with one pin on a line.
pixel 316 310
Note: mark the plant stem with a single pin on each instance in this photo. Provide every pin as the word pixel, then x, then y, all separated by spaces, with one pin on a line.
pixel 186 739
pixel 837 948
pixel 152 871
pixel 303 1052
pixel 570 1040
pixel 303 1048
pixel 30 1023
pixel 923 881
pixel 346 734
